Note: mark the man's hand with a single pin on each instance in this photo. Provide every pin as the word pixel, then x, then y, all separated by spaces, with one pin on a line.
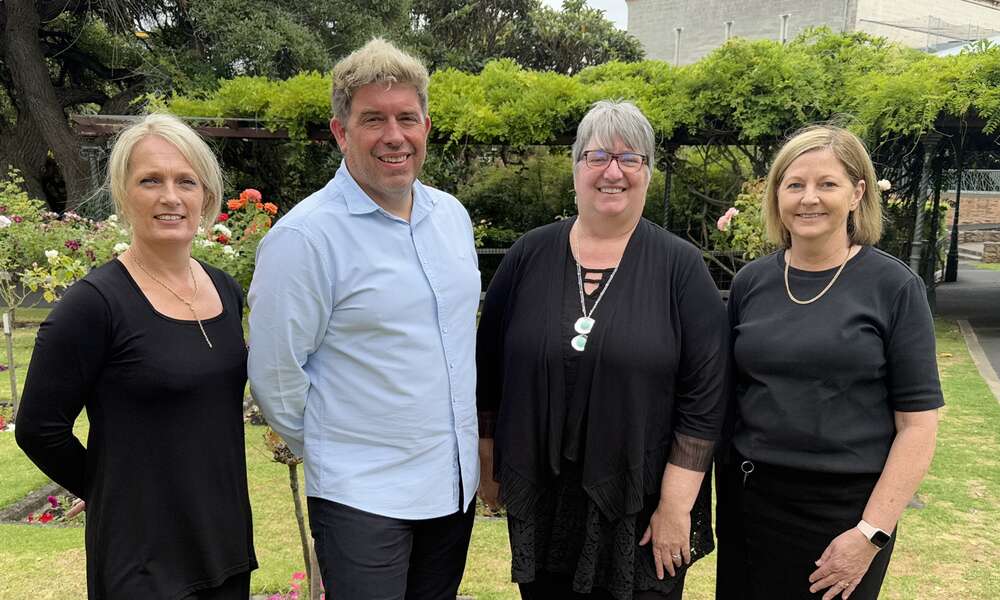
pixel 489 488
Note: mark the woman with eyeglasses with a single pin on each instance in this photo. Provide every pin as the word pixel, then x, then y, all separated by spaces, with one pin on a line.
pixel 602 373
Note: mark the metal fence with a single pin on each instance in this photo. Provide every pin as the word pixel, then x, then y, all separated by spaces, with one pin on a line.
pixel 973 181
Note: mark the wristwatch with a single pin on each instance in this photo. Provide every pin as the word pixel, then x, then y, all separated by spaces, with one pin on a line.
pixel 876 536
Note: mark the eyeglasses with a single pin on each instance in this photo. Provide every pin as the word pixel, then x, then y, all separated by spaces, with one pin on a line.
pixel 630 162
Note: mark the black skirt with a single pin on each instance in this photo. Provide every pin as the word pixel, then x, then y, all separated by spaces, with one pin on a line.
pixel 773 526
pixel 568 536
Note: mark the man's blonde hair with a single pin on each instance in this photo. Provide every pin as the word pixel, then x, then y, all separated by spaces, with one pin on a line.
pixel 378 61
pixel 188 143
pixel 864 224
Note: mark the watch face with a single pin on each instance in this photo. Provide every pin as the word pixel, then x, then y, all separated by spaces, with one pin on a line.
pixel 880 538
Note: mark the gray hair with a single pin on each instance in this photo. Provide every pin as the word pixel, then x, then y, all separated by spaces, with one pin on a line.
pixel 609 121
pixel 378 61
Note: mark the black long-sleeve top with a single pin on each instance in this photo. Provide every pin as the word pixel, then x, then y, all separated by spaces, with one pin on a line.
pixel 164 470
pixel 654 375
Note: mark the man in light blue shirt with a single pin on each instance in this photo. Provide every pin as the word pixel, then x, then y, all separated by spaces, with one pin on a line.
pixel 362 345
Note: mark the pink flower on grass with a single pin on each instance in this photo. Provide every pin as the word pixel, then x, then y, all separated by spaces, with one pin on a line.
pixel 53 501
pixel 724 220
pixel 299 575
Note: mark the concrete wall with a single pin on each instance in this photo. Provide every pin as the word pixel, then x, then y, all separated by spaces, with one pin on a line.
pixel 976 209
pixel 654 21
pixel 703 21
pixel 960 17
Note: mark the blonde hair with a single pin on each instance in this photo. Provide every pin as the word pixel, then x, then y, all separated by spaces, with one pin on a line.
pixel 378 61
pixel 188 143
pixel 864 224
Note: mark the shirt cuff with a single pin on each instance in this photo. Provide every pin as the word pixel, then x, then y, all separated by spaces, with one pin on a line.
pixel 694 454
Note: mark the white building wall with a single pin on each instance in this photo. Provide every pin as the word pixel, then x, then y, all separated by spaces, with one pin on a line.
pixel 654 22
pixel 959 17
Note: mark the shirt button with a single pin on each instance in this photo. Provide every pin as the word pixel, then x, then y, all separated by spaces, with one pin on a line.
pixel 444 330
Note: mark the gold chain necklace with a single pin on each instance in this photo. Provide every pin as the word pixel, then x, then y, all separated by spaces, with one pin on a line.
pixel 828 286
pixel 189 304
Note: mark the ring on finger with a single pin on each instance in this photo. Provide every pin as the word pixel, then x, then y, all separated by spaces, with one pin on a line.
pixel 675 556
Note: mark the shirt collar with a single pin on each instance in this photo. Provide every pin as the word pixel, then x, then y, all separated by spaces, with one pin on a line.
pixel 360 203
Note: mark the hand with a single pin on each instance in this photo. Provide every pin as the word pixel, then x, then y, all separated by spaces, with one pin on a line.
pixel 842 565
pixel 670 532
pixel 78 507
pixel 489 488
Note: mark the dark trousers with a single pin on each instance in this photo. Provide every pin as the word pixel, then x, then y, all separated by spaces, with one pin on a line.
pixel 549 586
pixel 773 525
pixel 364 556
pixel 236 587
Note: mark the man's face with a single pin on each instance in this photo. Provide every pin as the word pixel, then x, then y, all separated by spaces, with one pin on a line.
pixel 384 140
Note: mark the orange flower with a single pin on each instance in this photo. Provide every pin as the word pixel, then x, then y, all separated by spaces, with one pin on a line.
pixel 270 208
pixel 259 205
pixel 236 204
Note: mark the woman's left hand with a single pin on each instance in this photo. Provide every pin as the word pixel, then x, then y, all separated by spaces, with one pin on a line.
pixel 842 565
pixel 670 531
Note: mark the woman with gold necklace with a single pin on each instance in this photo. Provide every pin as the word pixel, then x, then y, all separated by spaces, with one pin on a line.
pixel 151 344
pixel 837 388
pixel 602 369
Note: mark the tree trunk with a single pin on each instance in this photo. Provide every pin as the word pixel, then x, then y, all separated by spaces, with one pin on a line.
pixel 35 93
pixel 22 148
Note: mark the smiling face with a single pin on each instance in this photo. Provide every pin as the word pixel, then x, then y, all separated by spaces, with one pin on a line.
pixel 384 140
pixel 815 198
pixel 609 192
pixel 164 196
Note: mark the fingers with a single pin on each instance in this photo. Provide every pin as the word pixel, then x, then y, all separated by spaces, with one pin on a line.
pixel 826 582
pixel 686 554
pixel 646 537
pixel 836 589
pixel 658 562
pixel 78 507
pixel 850 590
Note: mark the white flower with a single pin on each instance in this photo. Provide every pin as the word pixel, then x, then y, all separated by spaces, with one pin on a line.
pixel 51 254
pixel 220 228
pixel 4 222
pixel 884 185
pixel 205 243
pixel 120 247
pixel 113 218
pixel 228 250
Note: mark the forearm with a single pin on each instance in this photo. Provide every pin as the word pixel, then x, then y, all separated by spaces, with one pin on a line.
pixel 909 458
pixel 55 451
pixel 679 488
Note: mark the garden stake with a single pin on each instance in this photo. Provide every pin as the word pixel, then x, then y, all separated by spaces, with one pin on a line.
pixel 8 332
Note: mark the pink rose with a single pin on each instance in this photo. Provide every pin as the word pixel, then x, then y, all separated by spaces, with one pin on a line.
pixel 724 220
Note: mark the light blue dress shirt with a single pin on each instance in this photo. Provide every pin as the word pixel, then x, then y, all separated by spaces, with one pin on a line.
pixel 362 348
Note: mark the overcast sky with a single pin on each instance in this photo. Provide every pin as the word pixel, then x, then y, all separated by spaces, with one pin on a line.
pixel 614 10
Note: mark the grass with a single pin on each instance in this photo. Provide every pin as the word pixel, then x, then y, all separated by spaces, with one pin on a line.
pixel 947 550
pixel 987 266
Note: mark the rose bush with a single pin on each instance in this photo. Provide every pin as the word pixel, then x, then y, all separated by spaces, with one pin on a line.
pixel 47 252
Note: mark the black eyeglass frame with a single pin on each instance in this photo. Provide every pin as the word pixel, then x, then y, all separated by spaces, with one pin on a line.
pixel 585 157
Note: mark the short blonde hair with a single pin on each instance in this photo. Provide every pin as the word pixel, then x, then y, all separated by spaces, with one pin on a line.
pixel 191 146
pixel 864 224
pixel 377 61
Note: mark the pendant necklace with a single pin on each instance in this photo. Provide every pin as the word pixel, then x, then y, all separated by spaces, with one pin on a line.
pixel 188 303
pixel 585 324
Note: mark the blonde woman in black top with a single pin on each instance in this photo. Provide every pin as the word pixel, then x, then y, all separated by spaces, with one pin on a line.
pixel 602 361
pixel 151 344
pixel 836 391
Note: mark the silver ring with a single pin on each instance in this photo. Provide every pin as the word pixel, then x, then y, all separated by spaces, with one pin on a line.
pixel 675 555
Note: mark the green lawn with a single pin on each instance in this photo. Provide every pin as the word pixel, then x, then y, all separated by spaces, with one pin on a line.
pixel 947 550
pixel 987 266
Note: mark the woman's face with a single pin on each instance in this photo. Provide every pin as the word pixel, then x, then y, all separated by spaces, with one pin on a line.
pixel 610 191
pixel 815 197
pixel 164 197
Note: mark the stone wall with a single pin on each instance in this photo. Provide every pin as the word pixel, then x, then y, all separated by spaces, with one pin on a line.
pixel 978 208
pixel 979 236
pixel 991 252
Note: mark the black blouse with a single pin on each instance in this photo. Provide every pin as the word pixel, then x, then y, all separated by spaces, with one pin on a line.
pixel 652 380
pixel 164 470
